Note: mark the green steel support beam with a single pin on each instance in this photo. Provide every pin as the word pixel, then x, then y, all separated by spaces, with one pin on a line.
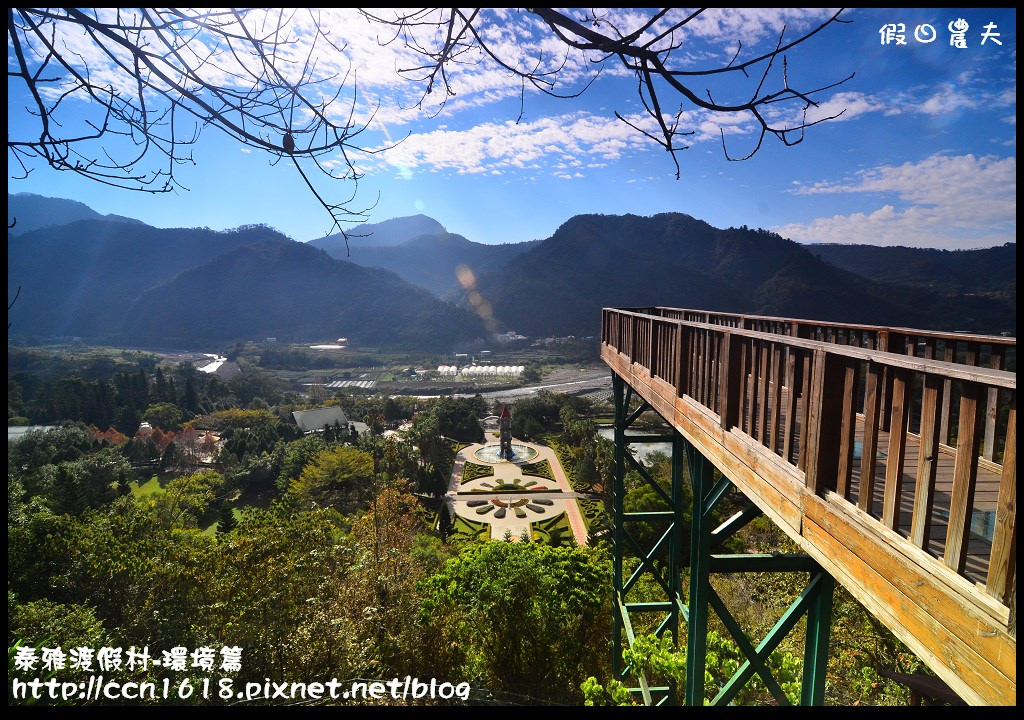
pixel 763 563
pixel 649 606
pixel 675 554
pixel 647 563
pixel 756 661
pixel 815 602
pixel 653 515
pixel 714 496
pixel 771 641
pixel 651 690
pixel 642 472
pixel 628 626
pixel 620 393
pixel 633 439
pixel 731 526
pixel 819 623
pixel 684 611
pixel 701 477
pixel 644 407
pixel 661 562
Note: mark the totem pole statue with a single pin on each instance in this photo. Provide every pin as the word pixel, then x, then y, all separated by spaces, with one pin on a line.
pixel 505 435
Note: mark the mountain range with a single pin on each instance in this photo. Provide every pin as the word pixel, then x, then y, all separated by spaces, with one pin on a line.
pixel 671 259
pixel 985 270
pixel 37 211
pixel 420 250
pixel 117 280
pixel 126 282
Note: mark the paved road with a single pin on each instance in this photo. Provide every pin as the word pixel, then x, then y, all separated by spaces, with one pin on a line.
pixel 592 381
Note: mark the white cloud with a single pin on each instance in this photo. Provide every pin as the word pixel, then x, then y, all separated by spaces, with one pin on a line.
pixel 724 26
pixel 571 139
pixel 970 93
pixel 942 201
pixel 368 55
pixel 947 100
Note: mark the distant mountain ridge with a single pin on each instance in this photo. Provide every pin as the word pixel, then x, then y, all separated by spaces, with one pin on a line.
pixel 382 234
pixel 80 278
pixel 301 293
pixel 982 270
pixel 592 261
pixel 33 212
pixel 433 261
pixel 421 251
pixel 120 282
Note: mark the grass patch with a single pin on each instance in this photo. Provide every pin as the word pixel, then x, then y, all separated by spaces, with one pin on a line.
pixel 553 531
pixel 469 530
pixel 145 489
pixel 540 469
pixel 251 496
pixel 211 529
pixel 474 471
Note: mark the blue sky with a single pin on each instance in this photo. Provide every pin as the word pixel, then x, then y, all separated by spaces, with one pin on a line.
pixel 924 154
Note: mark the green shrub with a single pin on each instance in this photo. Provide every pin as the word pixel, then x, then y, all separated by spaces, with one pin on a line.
pixel 540 469
pixel 473 471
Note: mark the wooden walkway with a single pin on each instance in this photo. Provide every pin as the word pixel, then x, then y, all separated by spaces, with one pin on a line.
pixel 887 454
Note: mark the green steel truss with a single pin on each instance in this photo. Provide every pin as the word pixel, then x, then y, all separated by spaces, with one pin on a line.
pixel 664 561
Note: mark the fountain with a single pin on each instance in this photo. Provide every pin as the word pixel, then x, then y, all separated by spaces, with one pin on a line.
pixel 492 453
pixel 505 450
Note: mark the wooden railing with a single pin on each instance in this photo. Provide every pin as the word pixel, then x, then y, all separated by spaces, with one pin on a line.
pixel 995 352
pixel 805 390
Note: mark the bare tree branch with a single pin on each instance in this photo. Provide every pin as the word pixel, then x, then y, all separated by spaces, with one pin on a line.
pixel 646 50
pixel 121 96
pixel 154 79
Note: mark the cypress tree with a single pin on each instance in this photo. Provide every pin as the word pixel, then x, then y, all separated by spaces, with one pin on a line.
pixel 191 400
pixel 226 521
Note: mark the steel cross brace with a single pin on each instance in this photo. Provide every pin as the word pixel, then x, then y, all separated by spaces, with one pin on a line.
pixel 670 539
pixel 708 491
pixel 815 600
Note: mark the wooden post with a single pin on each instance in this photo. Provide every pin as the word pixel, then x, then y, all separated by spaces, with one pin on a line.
pixel 869 448
pixel 965 475
pixel 683 361
pixel 762 393
pixel 928 461
pixel 649 322
pixel 948 355
pixel 900 415
pixel 791 384
pixel 777 371
pixel 805 410
pixel 731 380
pixel 824 427
pixel 1002 566
pixel 992 407
pixel 894 343
pixel 750 391
pixel 677 365
pixel 848 431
